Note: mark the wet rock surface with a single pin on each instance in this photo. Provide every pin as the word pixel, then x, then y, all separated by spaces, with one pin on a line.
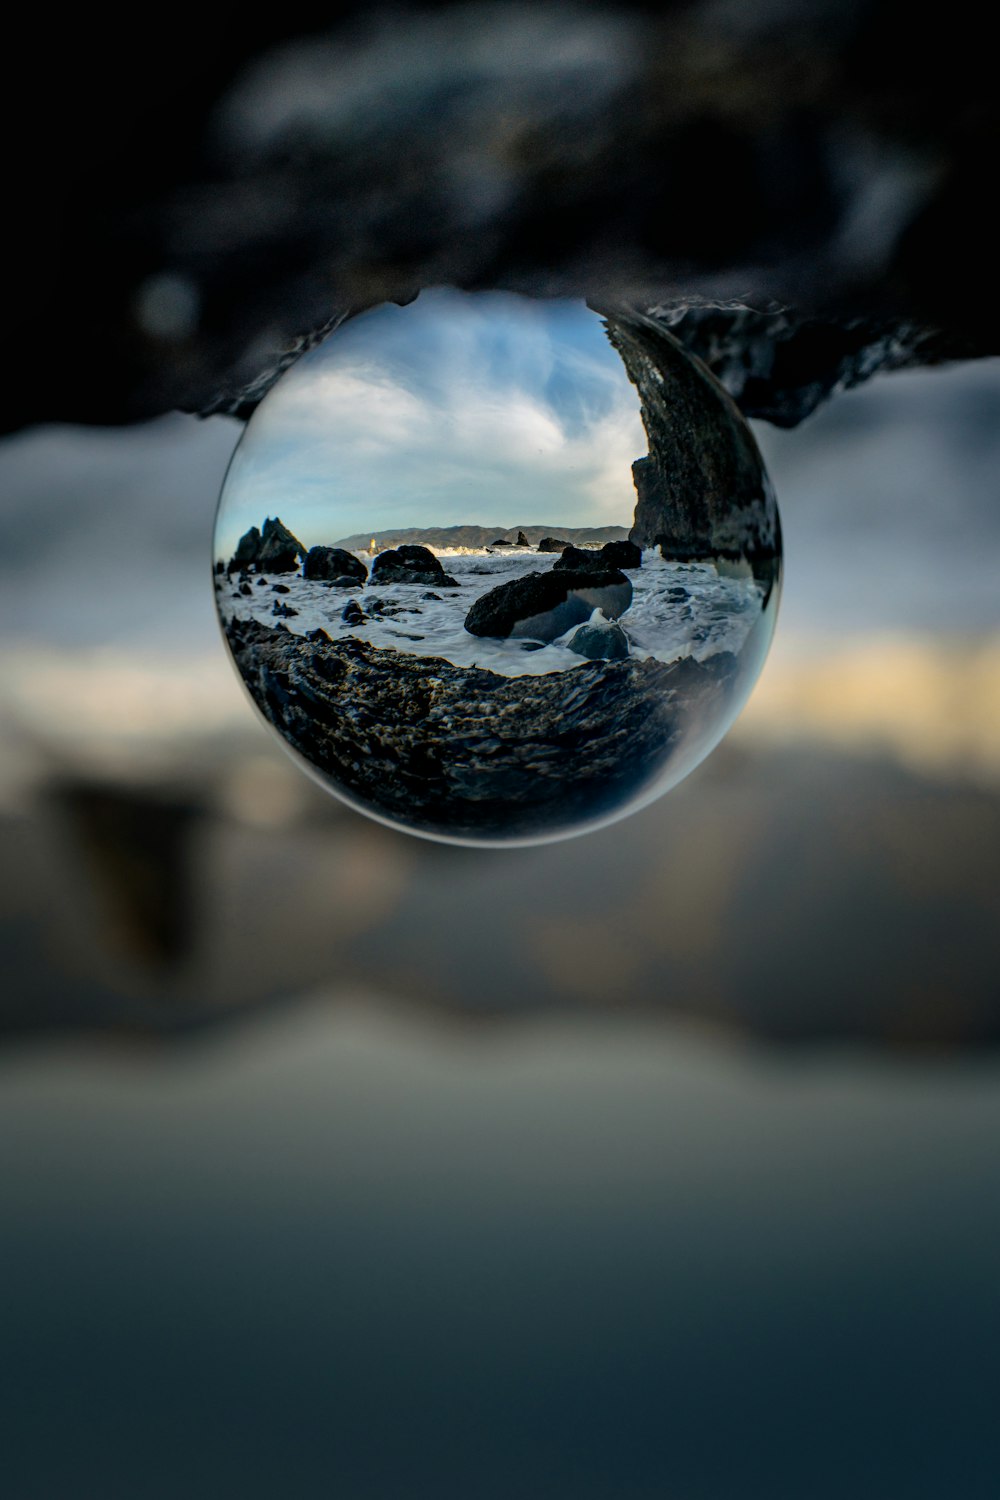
pixel 462 749
pixel 545 605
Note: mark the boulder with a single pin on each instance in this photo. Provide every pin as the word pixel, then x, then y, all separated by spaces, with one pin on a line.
pixel 333 565
pixel 621 554
pixel 552 544
pixel 522 540
pixel 319 636
pixel 280 588
pixel 220 566
pixel 410 564
pixel 352 613
pixel 245 588
pixel 599 640
pixel 576 559
pixel 284 610
pixel 262 583
pixel 430 595
pixel 545 605
pixel 501 542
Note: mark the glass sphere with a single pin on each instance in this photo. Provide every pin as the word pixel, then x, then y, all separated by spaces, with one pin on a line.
pixel 498 570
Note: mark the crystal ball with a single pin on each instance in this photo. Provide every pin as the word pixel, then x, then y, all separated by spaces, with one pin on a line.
pixel 498 570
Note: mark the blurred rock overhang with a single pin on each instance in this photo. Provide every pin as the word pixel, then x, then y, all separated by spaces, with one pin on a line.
pixel 796 190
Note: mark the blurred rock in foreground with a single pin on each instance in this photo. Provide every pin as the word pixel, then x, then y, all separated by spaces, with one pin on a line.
pixel 798 189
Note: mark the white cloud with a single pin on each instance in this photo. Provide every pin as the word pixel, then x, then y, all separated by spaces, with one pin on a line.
pixel 492 410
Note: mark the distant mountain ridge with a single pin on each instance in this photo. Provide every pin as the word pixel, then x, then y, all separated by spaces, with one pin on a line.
pixel 481 536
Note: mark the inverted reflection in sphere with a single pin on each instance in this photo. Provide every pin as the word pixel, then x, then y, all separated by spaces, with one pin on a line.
pixel 498 570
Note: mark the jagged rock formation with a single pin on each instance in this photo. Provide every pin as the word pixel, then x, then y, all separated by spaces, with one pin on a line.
pixel 275 550
pixel 702 491
pixel 543 606
pixel 464 750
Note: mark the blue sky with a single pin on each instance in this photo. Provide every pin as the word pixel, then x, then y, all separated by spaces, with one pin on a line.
pixel 482 408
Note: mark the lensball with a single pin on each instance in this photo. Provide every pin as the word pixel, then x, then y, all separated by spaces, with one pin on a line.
pixel 498 570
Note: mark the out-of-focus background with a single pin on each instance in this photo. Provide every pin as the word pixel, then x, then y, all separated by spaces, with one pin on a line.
pixel 662 1162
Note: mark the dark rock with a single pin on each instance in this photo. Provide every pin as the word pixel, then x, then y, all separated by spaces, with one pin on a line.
pixel 410 564
pixel 280 588
pixel 247 550
pixel 552 544
pixel 352 613
pixel 522 540
pixel 285 610
pixel 702 491
pixel 245 589
pixel 275 550
pixel 577 559
pixel 544 605
pixel 318 635
pixel 501 542
pixel 334 564
pixel 430 595
pixel 621 555
pixel 677 593
pixel 262 583
pixel 220 567
pixel 280 551
pixel 779 365
pixel 599 642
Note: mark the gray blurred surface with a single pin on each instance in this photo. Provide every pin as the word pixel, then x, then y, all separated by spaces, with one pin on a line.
pixel 349 1253
pixel 661 1162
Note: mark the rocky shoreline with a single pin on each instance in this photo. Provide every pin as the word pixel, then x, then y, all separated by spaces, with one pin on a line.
pixel 465 751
